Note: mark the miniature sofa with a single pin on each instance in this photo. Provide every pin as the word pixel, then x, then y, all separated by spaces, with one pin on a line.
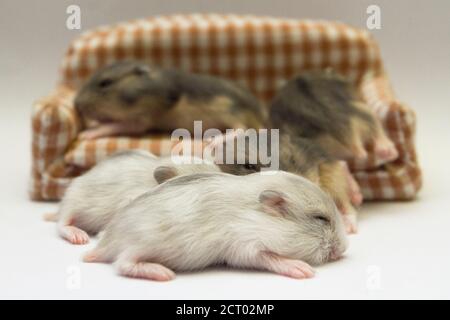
pixel 258 52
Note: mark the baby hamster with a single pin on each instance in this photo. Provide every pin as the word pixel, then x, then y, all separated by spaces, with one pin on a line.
pixel 323 107
pixel 132 98
pixel 94 198
pixel 278 222
pixel 303 157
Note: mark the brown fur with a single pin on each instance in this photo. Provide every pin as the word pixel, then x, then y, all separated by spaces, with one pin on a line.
pixel 150 98
pixel 323 107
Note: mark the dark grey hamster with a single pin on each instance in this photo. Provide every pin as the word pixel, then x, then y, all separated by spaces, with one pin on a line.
pixel 132 98
pixel 323 107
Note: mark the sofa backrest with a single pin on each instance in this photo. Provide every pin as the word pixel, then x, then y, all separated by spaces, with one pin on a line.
pixel 258 52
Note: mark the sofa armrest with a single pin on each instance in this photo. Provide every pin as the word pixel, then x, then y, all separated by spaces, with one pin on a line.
pixel 398 120
pixel 399 179
pixel 55 124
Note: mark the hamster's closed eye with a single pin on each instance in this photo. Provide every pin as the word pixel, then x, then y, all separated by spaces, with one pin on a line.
pixel 104 83
pixel 322 219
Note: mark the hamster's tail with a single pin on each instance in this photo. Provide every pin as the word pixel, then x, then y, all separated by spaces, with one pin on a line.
pixel 52 217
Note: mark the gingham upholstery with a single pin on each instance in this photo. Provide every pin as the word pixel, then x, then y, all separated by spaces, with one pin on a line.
pixel 258 52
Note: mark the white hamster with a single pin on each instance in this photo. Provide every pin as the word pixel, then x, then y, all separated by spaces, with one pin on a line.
pixel 274 221
pixel 95 197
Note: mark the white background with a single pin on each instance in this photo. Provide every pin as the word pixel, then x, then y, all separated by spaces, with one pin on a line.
pixel 402 249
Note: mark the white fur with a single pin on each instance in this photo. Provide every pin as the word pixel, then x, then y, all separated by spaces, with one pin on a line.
pixel 95 197
pixel 191 222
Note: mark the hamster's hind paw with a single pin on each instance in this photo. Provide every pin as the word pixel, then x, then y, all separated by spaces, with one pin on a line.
pixel 356 197
pixel 354 192
pixel 350 222
pixel 145 270
pixel 90 134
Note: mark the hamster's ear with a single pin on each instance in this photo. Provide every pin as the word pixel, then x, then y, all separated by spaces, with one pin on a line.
pixel 274 202
pixel 141 69
pixel 164 173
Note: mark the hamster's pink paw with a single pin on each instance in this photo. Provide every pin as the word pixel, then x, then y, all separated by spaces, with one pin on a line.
pixel 145 270
pixel 92 256
pixel 287 267
pixel 111 129
pixel 350 222
pixel 90 134
pixel 298 269
pixel 356 197
pixel 385 149
pixel 74 235
pixel 51 216
pixel 354 192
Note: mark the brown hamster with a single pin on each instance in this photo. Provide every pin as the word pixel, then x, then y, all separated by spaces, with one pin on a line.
pixel 132 98
pixel 323 107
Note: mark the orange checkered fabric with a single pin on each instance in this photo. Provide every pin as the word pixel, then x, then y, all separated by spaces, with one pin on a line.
pixel 260 53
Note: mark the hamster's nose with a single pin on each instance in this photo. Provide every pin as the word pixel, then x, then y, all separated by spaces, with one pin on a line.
pixel 336 254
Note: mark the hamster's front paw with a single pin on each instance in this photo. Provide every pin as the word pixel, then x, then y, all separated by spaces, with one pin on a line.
pixel 74 235
pixel 145 270
pixel 297 269
pixel 287 267
pixel 91 134
pixel 112 129
pixel 385 149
